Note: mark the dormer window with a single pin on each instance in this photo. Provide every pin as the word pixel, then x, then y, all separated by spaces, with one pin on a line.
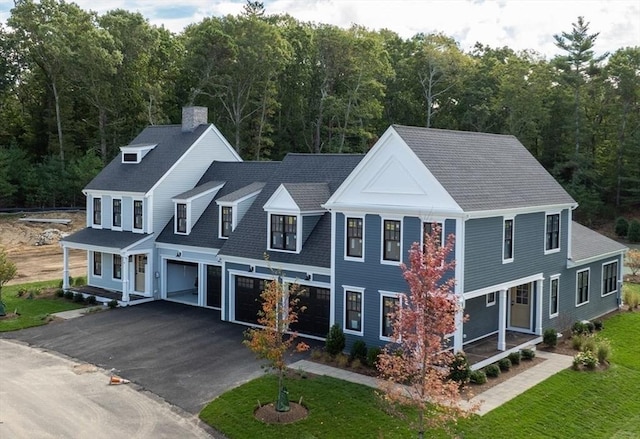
pixel 181 218
pixel 226 221
pixel 130 157
pixel 284 232
pixel 132 154
pixel 97 211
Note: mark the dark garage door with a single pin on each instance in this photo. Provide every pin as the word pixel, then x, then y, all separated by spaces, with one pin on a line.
pixel 314 320
pixel 248 301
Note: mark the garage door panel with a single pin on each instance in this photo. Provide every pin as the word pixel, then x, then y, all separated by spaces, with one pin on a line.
pixel 314 320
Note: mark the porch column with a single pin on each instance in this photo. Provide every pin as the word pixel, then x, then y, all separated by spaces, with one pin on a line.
pixel 65 267
pixel 539 301
pixel 458 335
pixel 502 321
pixel 125 277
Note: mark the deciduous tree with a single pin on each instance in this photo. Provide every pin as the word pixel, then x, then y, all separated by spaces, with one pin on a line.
pixel 7 272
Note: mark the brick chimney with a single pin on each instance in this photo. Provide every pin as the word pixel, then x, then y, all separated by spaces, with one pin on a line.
pixel 192 117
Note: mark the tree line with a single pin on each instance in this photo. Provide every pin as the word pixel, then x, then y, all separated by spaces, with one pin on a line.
pixel 75 86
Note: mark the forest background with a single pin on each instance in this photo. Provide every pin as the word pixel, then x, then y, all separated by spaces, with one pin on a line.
pixel 75 86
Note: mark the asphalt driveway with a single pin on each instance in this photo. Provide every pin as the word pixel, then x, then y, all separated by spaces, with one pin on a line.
pixel 181 353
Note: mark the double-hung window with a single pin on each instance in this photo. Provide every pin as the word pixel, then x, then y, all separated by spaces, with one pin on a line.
pixel 226 221
pixel 389 306
pixel 554 296
pixel 507 241
pixel 181 218
pixel 354 237
pixel 582 287
pixel 491 298
pixel 97 264
pixel 137 214
pixel 353 311
pixel 609 278
pixel 97 211
pixel 116 212
pixel 391 240
pixel 284 232
pixel 117 267
pixel 552 233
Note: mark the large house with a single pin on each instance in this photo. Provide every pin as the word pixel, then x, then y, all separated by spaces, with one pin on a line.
pixel 178 216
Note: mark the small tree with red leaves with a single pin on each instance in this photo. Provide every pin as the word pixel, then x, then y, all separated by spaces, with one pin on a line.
pixel 272 341
pixel 415 367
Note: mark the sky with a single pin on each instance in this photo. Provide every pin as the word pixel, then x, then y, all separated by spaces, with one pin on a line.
pixel 518 24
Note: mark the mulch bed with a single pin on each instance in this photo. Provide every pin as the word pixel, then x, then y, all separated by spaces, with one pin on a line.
pixel 268 414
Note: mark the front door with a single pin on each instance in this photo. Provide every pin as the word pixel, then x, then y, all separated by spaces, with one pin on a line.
pixel 521 306
pixel 140 268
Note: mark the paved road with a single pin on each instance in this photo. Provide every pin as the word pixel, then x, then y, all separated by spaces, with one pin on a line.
pixel 43 395
pixel 183 354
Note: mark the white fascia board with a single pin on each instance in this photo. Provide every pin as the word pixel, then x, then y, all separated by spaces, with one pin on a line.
pixel 281 201
pixel 116 194
pixel 277 266
pixel 224 140
pixel 578 263
pixel 395 210
pixel 503 286
pixel 138 147
pixel 518 211
pixel 168 246
pixel 201 194
pixel 239 200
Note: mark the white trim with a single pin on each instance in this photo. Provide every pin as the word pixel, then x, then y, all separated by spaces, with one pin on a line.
pixel 140 150
pixel 187 219
pixel 513 236
pixel 278 266
pixel 332 272
pixel 458 337
pixel 169 246
pixel 384 294
pixel 93 264
pixel 492 302
pixel 555 277
pixel 573 264
pixel 346 238
pixel 553 250
pixel 93 220
pixel 588 270
pixel 518 211
pixel 532 293
pixel 602 293
pixel 298 232
pixel 178 199
pixel 382 230
pixel 113 227
pixel 113 266
pixel 503 286
pixel 221 206
pixel 133 215
pixel 358 290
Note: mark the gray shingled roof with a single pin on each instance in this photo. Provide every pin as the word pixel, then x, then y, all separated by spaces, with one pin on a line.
pixel 241 193
pixel 484 171
pixel 585 243
pixel 140 177
pixel 249 238
pixel 104 238
pixel 308 196
pixel 198 190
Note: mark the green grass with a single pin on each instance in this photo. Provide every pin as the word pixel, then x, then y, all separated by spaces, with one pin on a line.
pixel 33 312
pixel 602 404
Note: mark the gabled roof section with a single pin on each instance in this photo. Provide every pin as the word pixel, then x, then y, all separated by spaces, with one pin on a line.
pixel 484 171
pixel 309 197
pixel 171 143
pixel 200 190
pixel 588 245
pixel 241 193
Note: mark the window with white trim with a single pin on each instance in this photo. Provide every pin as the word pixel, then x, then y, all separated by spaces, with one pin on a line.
pixel 97 264
pixel 181 218
pixel 137 214
pixel 284 232
pixel 97 211
pixel 391 243
pixel 117 267
pixel 609 278
pixel 353 311
pixel 507 240
pixel 582 287
pixel 116 212
pixel 389 306
pixel 552 232
pixel 491 298
pixel 354 237
pixel 554 296
pixel 226 221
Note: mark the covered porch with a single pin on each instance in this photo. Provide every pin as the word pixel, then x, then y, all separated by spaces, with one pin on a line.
pixel 483 352
pixel 105 296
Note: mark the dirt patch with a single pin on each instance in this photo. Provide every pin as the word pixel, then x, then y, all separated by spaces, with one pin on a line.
pixel 268 414
pixel 34 247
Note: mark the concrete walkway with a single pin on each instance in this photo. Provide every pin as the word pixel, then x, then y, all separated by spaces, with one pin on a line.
pixel 487 401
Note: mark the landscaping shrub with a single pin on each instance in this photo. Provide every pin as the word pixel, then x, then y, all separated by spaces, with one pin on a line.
pixel 335 342
pixel 91 300
pixel 603 350
pixel 580 328
pixel 633 261
pixel 359 351
pixel 550 337
pixel 590 344
pixel 372 356
pixel 342 360
pixel 68 295
pixel 78 298
pixel 528 354
pixel 21 292
pixel 492 370
pixel 113 304
pixel 459 369
pixel 504 364
pixel 356 363
pixel 59 292
pixel 634 231
pixel 631 299
pixel 514 357
pixel 598 325
pixel 79 281
pixel 316 354
pixel 577 341
pixel 478 377
pixel 60 284
pixel 622 227
pixel 585 359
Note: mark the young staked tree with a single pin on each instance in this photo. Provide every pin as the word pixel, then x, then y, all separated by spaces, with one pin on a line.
pixel 7 272
pixel 415 367
pixel 272 341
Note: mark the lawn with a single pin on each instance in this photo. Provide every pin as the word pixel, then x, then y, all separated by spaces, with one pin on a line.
pixel 571 404
pixel 35 311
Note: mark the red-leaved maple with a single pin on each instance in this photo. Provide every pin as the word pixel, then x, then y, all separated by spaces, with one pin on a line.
pixel 415 367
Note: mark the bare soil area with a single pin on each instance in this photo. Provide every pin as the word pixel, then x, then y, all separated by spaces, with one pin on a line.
pixel 34 246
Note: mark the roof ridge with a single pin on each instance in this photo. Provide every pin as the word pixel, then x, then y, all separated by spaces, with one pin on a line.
pixel 473 133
